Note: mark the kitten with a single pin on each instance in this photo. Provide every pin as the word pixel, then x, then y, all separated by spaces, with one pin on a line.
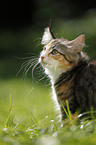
pixel 72 76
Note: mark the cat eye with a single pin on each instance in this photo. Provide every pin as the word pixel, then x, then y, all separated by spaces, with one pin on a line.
pixel 54 52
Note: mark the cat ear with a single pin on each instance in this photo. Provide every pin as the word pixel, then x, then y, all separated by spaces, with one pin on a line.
pixel 47 36
pixel 77 44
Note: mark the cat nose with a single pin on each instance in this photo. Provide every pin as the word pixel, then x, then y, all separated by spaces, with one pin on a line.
pixel 42 57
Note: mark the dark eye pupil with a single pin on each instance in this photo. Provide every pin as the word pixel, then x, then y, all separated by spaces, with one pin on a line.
pixel 54 52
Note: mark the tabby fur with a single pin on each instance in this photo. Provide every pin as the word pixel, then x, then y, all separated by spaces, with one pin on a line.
pixel 72 75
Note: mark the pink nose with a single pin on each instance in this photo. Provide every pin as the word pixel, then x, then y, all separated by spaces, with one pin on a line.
pixel 42 57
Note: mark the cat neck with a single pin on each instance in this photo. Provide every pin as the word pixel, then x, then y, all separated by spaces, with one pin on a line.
pixel 58 73
pixel 54 75
pixel 64 77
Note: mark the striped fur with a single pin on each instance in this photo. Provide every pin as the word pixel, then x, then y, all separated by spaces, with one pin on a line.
pixel 72 75
pixel 66 86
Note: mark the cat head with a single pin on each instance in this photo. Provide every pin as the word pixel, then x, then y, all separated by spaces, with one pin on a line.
pixel 60 55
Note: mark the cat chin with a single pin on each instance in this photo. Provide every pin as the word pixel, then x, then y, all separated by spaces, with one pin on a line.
pixel 53 74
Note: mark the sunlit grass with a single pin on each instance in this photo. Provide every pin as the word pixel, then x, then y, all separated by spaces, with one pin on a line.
pixel 26 98
pixel 27 117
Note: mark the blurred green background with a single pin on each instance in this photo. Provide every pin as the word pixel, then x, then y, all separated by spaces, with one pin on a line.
pixel 23 103
pixel 22 24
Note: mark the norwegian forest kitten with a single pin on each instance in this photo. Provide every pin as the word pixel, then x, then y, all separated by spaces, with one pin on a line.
pixel 72 76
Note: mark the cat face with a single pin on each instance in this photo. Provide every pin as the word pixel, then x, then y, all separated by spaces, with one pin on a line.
pixel 60 55
pixel 54 56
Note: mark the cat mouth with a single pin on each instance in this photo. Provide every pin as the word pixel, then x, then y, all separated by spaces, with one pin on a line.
pixel 42 62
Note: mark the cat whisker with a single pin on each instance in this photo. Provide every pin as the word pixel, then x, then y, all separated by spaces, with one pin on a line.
pixel 42 78
pixel 34 68
pixel 38 42
pixel 40 69
pixel 31 61
pixel 26 70
pixel 22 66
pixel 37 39
pixel 33 56
pixel 41 75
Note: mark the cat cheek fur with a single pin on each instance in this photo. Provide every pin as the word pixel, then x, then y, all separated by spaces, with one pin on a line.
pixel 62 63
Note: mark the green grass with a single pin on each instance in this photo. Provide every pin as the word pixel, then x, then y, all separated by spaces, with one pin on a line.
pixel 28 117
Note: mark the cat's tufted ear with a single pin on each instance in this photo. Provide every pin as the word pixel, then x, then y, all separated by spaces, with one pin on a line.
pixel 77 44
pixel 47 36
